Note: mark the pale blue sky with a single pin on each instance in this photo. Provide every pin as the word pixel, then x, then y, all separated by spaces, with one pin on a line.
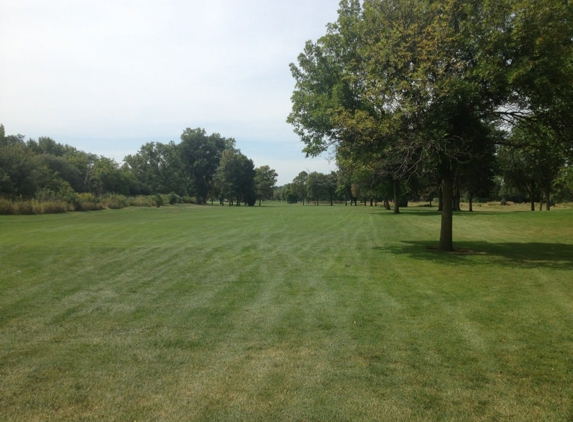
pixel 107 76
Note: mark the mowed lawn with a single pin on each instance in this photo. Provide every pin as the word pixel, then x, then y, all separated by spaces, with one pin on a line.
pixel 285 313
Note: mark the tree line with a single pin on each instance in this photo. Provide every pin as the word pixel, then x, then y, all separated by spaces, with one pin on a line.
pixel 511 180
pixel 200 168
pixel 450 94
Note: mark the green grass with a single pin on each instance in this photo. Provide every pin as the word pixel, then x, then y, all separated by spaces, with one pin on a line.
pixel 285 313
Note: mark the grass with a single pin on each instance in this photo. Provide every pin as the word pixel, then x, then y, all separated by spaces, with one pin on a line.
pixel 285 313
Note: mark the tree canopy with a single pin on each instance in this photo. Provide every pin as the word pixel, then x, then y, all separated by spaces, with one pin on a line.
pixel 420 84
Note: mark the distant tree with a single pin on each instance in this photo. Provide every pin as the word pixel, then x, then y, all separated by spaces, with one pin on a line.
pixel 19 174
pixel 290 193
pixel 316 186
pixel 200 155
pixel 331 184
pixel 298 186
pixel 235 177
pixel 158 167
pixel 108 177
pixel 62 167
pixel 265 181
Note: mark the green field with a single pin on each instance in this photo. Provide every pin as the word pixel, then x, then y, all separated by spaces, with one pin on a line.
pixel 285 313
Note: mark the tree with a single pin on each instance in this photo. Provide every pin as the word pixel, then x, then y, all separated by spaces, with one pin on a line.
pixel 265 181
pixel 19 174
pixel 159 168
pixel 298 186
pixel 316 186
pixel 289 193
pixel 331 184
pixel 235 177
pixel 109 178
pixel 418 82
pixel 200 155
pixel 532 161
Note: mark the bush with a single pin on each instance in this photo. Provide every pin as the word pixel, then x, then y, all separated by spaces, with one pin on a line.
pixel 24 207
pixel 7 207
pixel 87 202
pixel 503 201
pixel 50 207
pixel 115 201
pixel 140 201
pixel 158 200
pixel 174 198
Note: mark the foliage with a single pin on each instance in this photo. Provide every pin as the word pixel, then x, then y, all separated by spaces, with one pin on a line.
pixel 265 181
pixel 235 178
pixel 200 156
pixel 49 171
pixel 417 86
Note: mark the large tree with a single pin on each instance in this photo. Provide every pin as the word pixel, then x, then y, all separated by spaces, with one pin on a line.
pixel 418 82
pixel 200 154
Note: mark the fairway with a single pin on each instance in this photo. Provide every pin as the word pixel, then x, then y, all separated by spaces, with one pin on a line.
pixel 285 313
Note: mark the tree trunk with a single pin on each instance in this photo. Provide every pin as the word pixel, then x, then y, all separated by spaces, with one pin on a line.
pixel 456 204
pixel 440 199
pixel 532 195
pixel 386 204
pixel 548 199
pixel 470 200
pixel 396 186
pixel 446 229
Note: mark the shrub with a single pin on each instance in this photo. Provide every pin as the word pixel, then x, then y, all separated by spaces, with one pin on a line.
pixel 50 207
pixel 503 201
pixel 87 202
pixel 174 198
pixel 158 200
pixel 115 201
pixel 6 207
pixel 140 201
pixel 24 207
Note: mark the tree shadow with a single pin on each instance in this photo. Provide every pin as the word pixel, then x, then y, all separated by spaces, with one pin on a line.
pixel 432 212
pixel 521 255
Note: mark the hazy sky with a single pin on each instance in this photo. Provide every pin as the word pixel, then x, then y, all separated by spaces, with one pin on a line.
pixel 107 76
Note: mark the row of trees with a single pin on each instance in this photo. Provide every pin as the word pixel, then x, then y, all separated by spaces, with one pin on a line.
pixel 442 91
pixel 206 167
pixel 515 179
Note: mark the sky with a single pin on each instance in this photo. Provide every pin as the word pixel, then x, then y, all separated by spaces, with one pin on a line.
pixel 108 76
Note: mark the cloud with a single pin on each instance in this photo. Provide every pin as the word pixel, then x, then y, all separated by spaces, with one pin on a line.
pixel 129 70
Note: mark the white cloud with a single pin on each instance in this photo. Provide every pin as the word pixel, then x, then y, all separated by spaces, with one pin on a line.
pixel 130 70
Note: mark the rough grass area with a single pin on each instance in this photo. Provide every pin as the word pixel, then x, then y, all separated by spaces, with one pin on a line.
pixel 285 313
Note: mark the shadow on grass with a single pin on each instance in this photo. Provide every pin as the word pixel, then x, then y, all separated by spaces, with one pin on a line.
pixel 433 212
pixel 522 255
